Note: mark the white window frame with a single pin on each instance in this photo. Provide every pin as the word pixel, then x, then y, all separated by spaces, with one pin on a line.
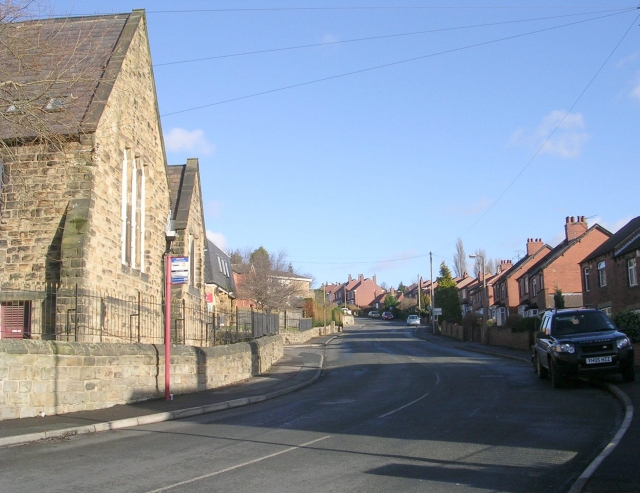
pixel 123 214
pixel 632 273
pixel 585 273
pixel 534 286
pixel 602 274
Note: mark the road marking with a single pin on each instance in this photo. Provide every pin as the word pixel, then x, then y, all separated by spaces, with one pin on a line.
pixel 406 405
pixel 260 459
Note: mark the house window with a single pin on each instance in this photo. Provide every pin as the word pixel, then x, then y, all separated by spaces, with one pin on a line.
pixel 502 292
pixel 192 261
pixel 541 282
pixel 4 179
pixel 133 212
pixel 602 275
pixel 526 284
pixel 534 286
pixel 631 269
pixel 585 272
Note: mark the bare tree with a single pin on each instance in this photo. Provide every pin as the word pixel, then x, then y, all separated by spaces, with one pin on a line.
pixel 477 266
pixel 459 259
pixel 48 77
pixel 270 280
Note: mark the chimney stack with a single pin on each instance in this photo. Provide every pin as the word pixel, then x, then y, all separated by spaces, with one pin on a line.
pixel 350 278
pixel 374 280
pixel 361 277
pixel 575 227
pixel 533 245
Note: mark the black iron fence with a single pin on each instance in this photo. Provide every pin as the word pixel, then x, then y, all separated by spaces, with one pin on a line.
pixel 82 315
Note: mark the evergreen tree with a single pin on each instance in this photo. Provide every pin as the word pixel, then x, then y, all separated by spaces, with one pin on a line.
pixel 446 295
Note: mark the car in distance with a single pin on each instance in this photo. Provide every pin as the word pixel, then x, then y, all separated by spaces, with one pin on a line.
pixel 374 314
pixel 413 320
pixel 581 342
pixel 387 316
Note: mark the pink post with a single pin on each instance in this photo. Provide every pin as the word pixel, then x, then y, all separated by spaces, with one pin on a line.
pixel 167 329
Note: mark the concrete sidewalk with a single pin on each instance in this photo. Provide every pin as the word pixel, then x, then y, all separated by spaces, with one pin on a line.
pixel 615 470
pixel 299 367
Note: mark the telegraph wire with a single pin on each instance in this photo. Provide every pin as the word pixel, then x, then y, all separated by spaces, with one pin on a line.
pixel 538 151
pixel 386 65
pixel 535 155
pixel 371 38
pixel 432 7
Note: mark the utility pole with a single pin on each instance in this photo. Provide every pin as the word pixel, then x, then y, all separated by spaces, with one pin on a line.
pixel 419 295
pixel 433 322
pixel 324 303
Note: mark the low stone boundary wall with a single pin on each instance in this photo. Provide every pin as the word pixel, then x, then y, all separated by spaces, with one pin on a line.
pixel 54 377
pixel 291 336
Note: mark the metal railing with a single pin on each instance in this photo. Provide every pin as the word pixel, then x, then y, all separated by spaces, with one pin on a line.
pixel 82 315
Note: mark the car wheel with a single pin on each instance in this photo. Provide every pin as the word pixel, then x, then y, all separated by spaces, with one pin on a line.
pixel 557 380
pixel 629 374
pixel 540 370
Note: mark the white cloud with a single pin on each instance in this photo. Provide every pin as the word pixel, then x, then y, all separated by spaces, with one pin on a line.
pixel 218 239
pixel 179 139
pixel 562 134
pixel 612 226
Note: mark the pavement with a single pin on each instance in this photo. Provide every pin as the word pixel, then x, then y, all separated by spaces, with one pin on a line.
pixel 615 470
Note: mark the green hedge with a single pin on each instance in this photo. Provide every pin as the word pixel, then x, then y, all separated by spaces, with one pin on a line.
pixel 527 324
pixel 629 323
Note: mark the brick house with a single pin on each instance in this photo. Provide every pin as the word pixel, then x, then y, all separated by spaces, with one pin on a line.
pixel 363 291
pixel 505 287
pixel 476 289
pixel 88 209
pixel 462 284
pixel 610 272
pixel 560 268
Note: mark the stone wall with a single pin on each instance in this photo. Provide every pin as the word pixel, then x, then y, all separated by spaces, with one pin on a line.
pixel 60 377
pixel 292 336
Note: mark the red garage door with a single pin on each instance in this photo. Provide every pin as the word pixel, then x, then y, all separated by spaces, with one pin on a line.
pixel 15 320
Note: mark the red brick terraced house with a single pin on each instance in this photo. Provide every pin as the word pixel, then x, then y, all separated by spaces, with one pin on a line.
pixel 560 268
pixel 610 272
pixel 505 287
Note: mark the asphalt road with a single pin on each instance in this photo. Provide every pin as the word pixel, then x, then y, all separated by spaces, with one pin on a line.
pixel 392 413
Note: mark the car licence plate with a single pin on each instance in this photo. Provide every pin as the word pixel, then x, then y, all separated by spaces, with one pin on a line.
pixel 599 359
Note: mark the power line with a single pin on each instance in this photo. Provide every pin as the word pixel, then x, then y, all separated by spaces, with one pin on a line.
pixel 386 65
pixel 371 38
pixel 539 150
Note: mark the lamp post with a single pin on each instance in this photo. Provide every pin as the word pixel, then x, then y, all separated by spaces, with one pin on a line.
pixel 484 295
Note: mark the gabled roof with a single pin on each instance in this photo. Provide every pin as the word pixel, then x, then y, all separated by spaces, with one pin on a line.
pixel 625 240
pixel 560 249
pixel 183 185
pixel 77 58
pixel 216 271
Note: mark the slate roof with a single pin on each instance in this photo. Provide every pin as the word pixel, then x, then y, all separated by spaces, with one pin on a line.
pixel 624 241
pixel 559 250
pixel 214 271
pixel 76 58
pixel 182 180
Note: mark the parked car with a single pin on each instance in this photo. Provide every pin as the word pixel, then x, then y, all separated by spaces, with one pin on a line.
pixel 581 342
pixel 413 320
pixel 387 316
pixel 374 314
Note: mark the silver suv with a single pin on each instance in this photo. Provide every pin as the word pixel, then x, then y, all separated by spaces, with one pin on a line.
pixel 580 342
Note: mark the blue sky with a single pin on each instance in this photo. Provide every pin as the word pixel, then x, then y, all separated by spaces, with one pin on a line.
pixel 485 120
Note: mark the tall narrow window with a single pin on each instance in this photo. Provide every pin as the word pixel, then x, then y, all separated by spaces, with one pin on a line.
pixel 143 214
pixel 526 284
pixel 192 261
pixel 133 203
pixel 633 274
pixel 534 286
pixel 126 210
pixel 586 279
pixel 602 274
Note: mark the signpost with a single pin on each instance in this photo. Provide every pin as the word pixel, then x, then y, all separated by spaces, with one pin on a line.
pixel 176 272
pixel 437 311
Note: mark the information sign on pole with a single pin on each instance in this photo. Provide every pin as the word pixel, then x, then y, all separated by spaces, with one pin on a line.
pixel 437 311
pixel 179 270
